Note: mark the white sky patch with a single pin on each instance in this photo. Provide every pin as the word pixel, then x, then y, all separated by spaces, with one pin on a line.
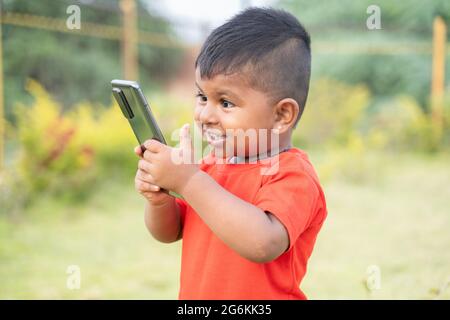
pixel 194 19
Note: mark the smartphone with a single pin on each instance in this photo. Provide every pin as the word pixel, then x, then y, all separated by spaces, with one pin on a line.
pixel 137 111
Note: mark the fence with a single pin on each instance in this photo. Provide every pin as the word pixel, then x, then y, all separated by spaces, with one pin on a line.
pixel 130 36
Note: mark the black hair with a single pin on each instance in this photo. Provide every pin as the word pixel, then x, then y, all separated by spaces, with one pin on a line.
pixel 269 45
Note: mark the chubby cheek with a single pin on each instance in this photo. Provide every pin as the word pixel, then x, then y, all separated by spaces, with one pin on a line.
pixel 197 113
pixel 235 120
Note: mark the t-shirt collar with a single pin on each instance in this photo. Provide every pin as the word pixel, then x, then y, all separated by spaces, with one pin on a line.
pixel 254 159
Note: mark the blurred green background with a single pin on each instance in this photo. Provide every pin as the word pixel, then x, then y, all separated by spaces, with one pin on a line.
pixel 380 144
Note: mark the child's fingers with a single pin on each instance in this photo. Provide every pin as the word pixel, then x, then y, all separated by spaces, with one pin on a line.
pixel 144 176
pixel 145 165
pixel 138 151
pixel 144 186
pixel 185 138
pixel 153 188
pixel 147 178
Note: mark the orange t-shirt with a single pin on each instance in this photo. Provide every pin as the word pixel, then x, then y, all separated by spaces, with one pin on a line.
pixel 290 190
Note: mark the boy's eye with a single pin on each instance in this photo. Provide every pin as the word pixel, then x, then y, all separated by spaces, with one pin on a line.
pixel 227 104
pixel 201 97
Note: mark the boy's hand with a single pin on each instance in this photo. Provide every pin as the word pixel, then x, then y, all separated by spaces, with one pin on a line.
pixel 144 186
pixel 166 167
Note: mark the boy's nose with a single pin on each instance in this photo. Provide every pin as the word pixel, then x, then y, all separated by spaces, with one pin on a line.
pixel 208 114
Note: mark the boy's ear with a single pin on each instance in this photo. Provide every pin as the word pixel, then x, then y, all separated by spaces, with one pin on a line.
pixel 286 112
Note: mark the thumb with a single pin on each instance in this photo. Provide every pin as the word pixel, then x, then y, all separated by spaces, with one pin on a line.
pixel 186 144
pixel 185 137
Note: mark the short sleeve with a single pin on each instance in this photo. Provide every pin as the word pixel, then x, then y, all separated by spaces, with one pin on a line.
pixel 291 196
pixel 182 205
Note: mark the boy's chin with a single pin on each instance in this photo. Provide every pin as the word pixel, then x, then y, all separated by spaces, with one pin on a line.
pixel 225 150
pixel 224 153
pixel 221 152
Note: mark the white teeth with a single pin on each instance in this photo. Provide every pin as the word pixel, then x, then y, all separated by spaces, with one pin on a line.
pixel 214 135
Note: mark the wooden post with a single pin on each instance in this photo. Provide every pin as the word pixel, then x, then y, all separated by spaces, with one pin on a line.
pixel 2 120
pixel 129 40
pixel 438 74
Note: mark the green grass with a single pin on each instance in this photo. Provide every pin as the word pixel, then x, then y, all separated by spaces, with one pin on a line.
pixel 399 221
pixel 106 238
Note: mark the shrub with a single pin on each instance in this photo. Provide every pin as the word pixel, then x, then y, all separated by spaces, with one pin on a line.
pixel 332 114
pixel 66 153
pixel 51 156
pixel 403 126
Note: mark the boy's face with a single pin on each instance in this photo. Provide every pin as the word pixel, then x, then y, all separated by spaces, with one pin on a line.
pixel 231 113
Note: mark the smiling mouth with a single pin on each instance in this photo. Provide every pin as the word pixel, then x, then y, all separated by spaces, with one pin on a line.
pixel 214 136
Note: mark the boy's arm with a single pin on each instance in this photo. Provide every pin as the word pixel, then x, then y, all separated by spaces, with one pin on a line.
pixel 162 213
pixel 251 232
pixel 163 220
